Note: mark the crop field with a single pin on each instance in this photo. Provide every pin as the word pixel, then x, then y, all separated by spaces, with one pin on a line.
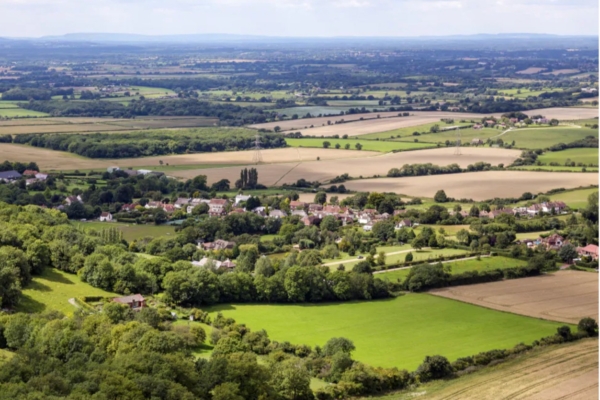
pixel 586 156
pixel 398 332
pixel 565 296
pixel 332 111
pixel 14 112
pixel 52 291
pixel 368 165
pixel 566 371
pixel 130 231
pixel 541 138
pixel 458 267
pixel 369 145
pixel 476 185
pixel 466 135
pixel 407 132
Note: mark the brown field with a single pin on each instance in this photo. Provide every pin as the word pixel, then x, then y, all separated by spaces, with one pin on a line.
pixel 415 118
pixel 531 70
pixel 562 71
pixel 568 371
pixel 477 185
pixel 564 113
pixel 589 99
pixel 59 128
pixel 56 160
pixel 372 165
pixel 564 296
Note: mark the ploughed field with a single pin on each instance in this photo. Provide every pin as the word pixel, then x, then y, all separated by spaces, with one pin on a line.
pixel 565 296
pixel 398 332
pixel 477 185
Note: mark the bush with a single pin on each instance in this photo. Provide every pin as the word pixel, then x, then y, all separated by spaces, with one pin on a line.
pixel 434 367
pixel 589 326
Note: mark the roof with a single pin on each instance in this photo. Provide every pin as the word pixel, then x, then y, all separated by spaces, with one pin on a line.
pixel 129 299
pixel 9 175
pixel 590 248
pixel 218 201
pixel 105 214
pixel 30 172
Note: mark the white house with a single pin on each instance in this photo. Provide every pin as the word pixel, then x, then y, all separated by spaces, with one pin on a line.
pixel 368 227
pixel 106 217
pixel 241 198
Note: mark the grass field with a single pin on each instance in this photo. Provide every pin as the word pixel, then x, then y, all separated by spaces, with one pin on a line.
pixel 52 291
pixel 585 156
pixel 369 145
pixel 574 198
pixel 13 112
pixel 541 138
pixel 130 231
pixel 406 133
pixel 397 332
pixel 458 267
pixel 554 168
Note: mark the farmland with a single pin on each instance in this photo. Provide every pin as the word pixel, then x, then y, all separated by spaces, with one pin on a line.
pixel 541 138
pixel 130 231
pixel 369 145
pixel 477 185
pixel 429 323
pixel 574 198
pixel 395 255
pixel 407 132
pixel 565 296
pixel 585 156
pixel 52 291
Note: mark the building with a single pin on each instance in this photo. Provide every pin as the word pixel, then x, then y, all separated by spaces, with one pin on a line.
pixel 216 207
pixel 40 176
pixel 240 198
pixel 181 202
pixel 554 241
pixel 168 208
pixel 8 176
pixel 311 220
pixel 297 205
pixel 228 264
pixel 136 302
pixel 218 244
pixel 300 213
pixel 313 208
pixel 112 169
pixel 405 223
pixel 152 204
pixel 73 199
pixel 591 250
pixel 278 214
pixel 106 217
pixel 496 213
pixel 30 172
pixel 130 172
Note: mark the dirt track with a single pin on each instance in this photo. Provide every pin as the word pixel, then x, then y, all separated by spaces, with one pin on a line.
pixel 568 371
pixel 565 296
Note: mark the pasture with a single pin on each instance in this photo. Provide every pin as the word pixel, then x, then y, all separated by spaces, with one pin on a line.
pixel 369 145
pixel 583 155
pixel 397 332
pixel 16 112
pixel 130 231
pixel 458 267
pixel 574 198
pixel 542 138
pixel 52 290
pixel 476 185
pixel 565 296
pixel 407 132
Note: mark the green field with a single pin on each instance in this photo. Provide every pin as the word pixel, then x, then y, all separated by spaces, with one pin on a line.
pixel 13 112
pixel 397 332
pixel 130 231
pixel 583 155
pixel 406 133
pixel 554 168
pixel 542 138
pixel 574 198
pixel 52 291
pixel 367 145
pixel 418 255
pixel 458 267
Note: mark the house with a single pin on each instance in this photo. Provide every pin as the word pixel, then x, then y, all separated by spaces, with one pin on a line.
pixel 311 220
pixel 7 176
pixel 514 120
pixel 153 204
pixel 364 218
pixel 30 172
pixel 477 126
pixel 240 198
pixel 40 176
pixel 218 244
pixel 106 217
pixel 313 208
pixel 297 205
pixel 589 90
pixel 128 207
pixel 554 241
pixel 168 208
pixel 404 223
pixel 557 206
pixel 331 210
pixel 228 264
pixel 591 250
pixel 30 181
pixel 194 203
pixel 278 214
pixel 112 169
pixel 136 302
pixel 131 172
pixel 476 142
pixel 368 227
pixel 216 207
pixel 181 202
pixel 496 213
pixel 73 199
pixel 300 213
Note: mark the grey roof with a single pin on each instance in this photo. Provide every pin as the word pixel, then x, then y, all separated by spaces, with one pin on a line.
pixel 10 175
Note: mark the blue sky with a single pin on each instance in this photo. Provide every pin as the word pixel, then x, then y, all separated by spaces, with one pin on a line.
pixel 299 17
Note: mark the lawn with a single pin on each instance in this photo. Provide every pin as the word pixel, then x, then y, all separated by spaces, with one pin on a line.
pixel 458 267
pixel 131 231
pixel 52 291
pixel 397 332
pixel 583 155
pixel 541 138
pixel 368 145
pixel 20 112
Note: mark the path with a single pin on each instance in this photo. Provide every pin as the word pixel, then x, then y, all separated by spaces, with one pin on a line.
pixel 443 262
pixel 73 303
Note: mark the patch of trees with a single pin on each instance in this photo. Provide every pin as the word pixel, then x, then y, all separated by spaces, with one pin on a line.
pixel 588 141
pixel 431 169
pixel 148 143
pixel 248 179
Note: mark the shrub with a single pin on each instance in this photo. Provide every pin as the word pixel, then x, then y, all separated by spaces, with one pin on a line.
pixel 434 367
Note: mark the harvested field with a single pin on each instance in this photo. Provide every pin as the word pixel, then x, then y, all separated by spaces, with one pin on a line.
pixel 59 128
pixel 57 160
pixel 565 113
pixel 477 185
pixel 415 118
pixel 562 71
pixel 366 166
pixel 531 70
pixel 564 296
pixel 567 371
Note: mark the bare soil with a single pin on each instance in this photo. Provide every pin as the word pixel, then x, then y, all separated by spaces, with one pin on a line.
pixel 477 185
pixel 565 296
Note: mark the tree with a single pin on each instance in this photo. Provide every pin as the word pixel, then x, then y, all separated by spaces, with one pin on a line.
pixel 252 203
pixel 435 367
pixel 358 146
pixel 291 380
pixel 321 198
pixel 567 253
pixel 474 212
pixel 336 345
pixel 588 325
pixel 408 257
pixel 381 258
pixel 418 243
pixel 383 230
pixel 326 144
pixel 440 197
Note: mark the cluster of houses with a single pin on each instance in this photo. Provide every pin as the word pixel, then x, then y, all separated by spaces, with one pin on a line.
pixel 556 242
pixel 135 172
pixel 31 176
pixel 558 207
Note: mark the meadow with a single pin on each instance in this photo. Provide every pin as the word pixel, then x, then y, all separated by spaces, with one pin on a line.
pixel 16 112
pixel 584 155
pixel 574 198
pixel 398 332
pixel 52 290
pixel 369 145
pixel 542 138
pixel 130 231
pixel 458 267
pixel 406 133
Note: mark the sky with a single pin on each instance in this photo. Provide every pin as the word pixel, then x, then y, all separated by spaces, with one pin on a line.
pixel 34 18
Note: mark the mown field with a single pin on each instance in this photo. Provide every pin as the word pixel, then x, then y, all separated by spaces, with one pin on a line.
pixel 407 132
pixel 541 138
pixel 130 231
pixel 458 267
pixel 369 145
pixel 574 198
pixel 16 112
pixel 585 156
pixel 52 291
pixel 397 332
